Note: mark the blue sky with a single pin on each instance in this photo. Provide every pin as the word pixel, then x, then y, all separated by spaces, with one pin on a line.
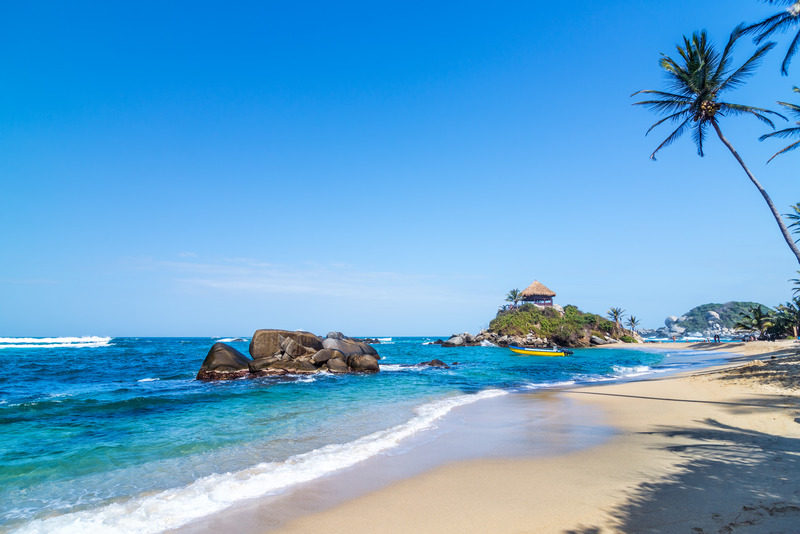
pixel 203 168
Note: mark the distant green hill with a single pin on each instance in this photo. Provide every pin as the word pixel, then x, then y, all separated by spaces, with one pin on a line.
pixel 729 314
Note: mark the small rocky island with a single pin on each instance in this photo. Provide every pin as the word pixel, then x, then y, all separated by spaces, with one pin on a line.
pixel 282 352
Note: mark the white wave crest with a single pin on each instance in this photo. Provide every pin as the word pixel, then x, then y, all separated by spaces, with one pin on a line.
pixel 53 342
pixel 148 379
pixel 384 339
pixel 630 372
pixel 485 343
pixel 175 507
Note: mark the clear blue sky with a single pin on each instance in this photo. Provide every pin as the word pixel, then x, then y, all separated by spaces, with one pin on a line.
pixel 209 168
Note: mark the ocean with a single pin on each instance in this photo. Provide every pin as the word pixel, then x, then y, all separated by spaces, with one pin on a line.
pixel 115 435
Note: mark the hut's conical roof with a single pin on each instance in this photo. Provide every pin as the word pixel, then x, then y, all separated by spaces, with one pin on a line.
pixel 537 289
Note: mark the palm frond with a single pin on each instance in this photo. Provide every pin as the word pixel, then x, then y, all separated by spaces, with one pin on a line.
pixel 789 54
pixel 786 149
pixel 786 132
pixel 747 69
pixel 672 137
pixel 674 117
pixel 698 136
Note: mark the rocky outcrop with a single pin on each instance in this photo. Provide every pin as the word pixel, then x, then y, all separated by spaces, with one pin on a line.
pixel 436 363
pixel 223 362
pixel 283 352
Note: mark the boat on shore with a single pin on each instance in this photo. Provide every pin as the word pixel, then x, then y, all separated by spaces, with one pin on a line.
pixel 529 351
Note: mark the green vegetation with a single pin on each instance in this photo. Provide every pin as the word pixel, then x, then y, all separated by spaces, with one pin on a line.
pixel 574 329
pixel 757 318
pixel 787 132
pixel 633 322
pixel 627 339
pixel 615 314
pixel 730 313
pixel 786 19
pixel 514 296
pixel 697 81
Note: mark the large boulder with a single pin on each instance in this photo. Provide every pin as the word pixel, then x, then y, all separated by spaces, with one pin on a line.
pixel 223 362
pixel 363 363
pixel 292 348
pixel 349 347
pixel 262 364
pixel 295 367
pixel 337 365
pixel 324 355
pixel 594 340
pixel 267 342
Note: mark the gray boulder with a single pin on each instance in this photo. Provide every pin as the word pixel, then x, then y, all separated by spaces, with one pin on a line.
pixel 669 321
pixel 324 355
pixel 335 335
pixel 262 364
pixel 296 367
pixel 292 348
pixel 223 362
pixel 454 341
pixel 267 342
pixel 363 363
pixel 348 347
pixel 594 340
pixel 337 365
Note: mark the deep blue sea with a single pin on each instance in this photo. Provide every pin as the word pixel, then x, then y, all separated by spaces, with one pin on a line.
pixel 115 435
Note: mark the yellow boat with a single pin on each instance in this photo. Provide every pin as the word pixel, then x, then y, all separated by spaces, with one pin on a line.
pixel 539 352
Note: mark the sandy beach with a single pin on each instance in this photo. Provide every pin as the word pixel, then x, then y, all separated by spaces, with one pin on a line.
pixel 713 451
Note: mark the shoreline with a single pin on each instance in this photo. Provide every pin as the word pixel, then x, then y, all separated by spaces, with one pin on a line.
pixel 722 445
pixel 497 486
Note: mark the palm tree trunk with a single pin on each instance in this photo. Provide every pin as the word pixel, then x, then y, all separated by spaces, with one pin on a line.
pixel 786 235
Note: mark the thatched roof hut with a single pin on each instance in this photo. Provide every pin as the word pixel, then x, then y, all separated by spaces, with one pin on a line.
pixel 537 293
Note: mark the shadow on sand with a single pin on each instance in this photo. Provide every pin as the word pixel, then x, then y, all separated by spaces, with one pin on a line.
pixel 732 479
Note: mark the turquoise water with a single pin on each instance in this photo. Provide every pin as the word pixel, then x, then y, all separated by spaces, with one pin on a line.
pixel 115 435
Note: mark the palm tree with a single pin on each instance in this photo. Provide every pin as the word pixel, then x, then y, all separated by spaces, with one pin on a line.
pixel 796 282
pixel 787 19
pixel 757 319
pixel 789 315
pixel 615 314
pixel 787 132
pixel 514 296
pixel 633 322
pixel 698 80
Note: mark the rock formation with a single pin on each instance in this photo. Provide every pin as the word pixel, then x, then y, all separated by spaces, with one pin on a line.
pixel 281 352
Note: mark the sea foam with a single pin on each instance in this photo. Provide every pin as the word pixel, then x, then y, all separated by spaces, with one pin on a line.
pixel 53 342
pixel 175 507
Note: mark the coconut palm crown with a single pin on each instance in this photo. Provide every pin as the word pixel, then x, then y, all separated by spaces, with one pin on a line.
pixel 785 20
pixel 794 111
pixel 697 81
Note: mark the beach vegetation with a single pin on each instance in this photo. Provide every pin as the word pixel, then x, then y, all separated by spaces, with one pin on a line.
pixel 794 131
pixel 783 21
pixel 633 322
pixel 787 318
pixel 758 318
pixel 514 296
pixel 615 314
pixel 627 339
pixel 698 79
